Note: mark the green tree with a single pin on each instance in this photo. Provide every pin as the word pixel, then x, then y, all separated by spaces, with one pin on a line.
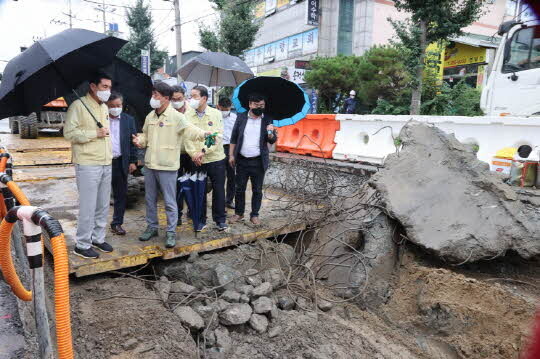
pixel 334 77
pixel 460 100
pixel 236 30
pixel 139 20
pixel 430 21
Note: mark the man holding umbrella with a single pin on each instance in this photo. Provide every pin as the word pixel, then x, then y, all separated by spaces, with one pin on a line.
pixel 92 155
pixel 163 133
pixel 252 133
pixel 212 161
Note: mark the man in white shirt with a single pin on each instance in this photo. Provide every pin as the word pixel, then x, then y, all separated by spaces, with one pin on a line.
pixel 229 119
pixel 252 133
pixel 124 153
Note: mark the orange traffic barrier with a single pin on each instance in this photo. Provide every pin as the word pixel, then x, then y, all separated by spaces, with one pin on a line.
pixel 313 135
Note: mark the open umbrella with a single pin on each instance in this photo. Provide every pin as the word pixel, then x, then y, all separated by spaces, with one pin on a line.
pixel 134 85
pixel 215 69
pixel 286 101
pixel 52 68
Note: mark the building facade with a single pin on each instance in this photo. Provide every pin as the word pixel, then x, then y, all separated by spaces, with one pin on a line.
pixel 350 27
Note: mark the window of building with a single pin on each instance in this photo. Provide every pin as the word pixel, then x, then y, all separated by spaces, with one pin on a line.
pixel 345 28
pixel 524 51
pixel 511 6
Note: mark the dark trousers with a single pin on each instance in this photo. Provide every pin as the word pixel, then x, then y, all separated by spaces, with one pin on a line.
pixel 229 196
pixel 216 174
pixel 119 190
pixel 249 169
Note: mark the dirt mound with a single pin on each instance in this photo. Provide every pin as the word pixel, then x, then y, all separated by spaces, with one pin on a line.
pixel 468 317
pixel 122 318
pixel 450 203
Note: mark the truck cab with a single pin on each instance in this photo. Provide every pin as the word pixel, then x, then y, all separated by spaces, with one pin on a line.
pixel 513 86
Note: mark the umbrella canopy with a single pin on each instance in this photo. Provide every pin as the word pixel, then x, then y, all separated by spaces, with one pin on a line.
pixel 215 69
pixel 286 101
pixel 52 67
pixel 134 85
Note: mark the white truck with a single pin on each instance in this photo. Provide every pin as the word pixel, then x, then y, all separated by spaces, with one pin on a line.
pixel 513 86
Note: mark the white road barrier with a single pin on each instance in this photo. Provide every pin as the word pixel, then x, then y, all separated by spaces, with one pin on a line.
pixel 371 138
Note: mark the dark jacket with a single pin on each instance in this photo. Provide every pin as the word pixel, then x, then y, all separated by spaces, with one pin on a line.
pixel 237 137
pixel 350 105
pixel 128 128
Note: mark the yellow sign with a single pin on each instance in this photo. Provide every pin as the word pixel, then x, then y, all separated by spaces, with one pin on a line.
pixel 461 54
pixel 434 59
pixel 282 3
pixel 260 9
pixel 274 72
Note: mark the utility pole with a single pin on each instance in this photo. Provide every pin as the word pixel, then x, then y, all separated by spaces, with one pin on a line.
pixel 177 27
pixel 70 15
pixel 104 19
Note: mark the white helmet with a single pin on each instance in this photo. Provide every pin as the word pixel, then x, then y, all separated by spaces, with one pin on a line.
pixel 353 93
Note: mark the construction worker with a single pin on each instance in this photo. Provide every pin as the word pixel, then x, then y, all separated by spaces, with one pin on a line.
pixel 211 161
pixel 91 152
pixel 163 133
pixel 350 104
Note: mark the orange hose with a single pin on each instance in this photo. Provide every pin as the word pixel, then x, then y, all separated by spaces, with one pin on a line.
pixel 6 263
pixel 18 193
pixel 61 297
pixel 3 208
pixel 3 163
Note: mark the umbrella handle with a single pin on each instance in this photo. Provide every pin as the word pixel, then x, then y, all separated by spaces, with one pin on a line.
pixel 90 112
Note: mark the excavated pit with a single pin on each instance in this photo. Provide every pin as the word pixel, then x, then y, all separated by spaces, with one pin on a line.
pixel 354 284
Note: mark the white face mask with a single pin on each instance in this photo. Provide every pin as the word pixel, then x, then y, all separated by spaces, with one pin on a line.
pixel 103 95
pixel 225 113
pixel 115 111
pixel 178 104
pixel 155 103
pixel 194 103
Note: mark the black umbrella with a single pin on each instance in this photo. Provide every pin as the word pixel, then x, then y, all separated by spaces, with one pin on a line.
pixel 52 67
pixel 286 101
pixel 134 85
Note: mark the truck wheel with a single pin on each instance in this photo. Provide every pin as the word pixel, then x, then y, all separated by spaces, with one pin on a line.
pixel 28 126
pixel 14 125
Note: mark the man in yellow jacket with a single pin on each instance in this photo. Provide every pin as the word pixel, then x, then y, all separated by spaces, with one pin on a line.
pixel 212 160
pixel 92 155
pixel 163 133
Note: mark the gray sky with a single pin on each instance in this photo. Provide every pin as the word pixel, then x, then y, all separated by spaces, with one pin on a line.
pixel 23 21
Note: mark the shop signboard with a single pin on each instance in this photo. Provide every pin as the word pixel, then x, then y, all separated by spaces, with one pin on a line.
pixel 310 41
pixel 282 49
pixel 295 45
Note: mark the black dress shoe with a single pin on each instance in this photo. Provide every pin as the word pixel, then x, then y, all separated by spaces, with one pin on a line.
pixel 117 229
pixel 229 205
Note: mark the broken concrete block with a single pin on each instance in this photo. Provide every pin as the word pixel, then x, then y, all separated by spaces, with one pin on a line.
pixel 219 305
pixel 274 276
pixel 189 318
pixel 236 314
pixel 263 289
pixel 255 280
pixel 286 303
pixel 274 332
pixel 324 305
pixel 163 288
pixel 245 289
pixel 244 299
pixel 274 312
pixel 181 287
pixel 225 277
pixel 223 340
pixel 210 338
pixel 302 303
pixel 205 311
pixel 231 296
pixel 259 323
pixel 262 305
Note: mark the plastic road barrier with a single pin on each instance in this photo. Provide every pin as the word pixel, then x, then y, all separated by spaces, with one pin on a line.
pixel 313 135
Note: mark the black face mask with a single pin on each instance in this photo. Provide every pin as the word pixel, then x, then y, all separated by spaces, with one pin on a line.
pixel 257 111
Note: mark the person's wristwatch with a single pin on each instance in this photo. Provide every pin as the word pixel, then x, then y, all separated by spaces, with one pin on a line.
pixel 203 150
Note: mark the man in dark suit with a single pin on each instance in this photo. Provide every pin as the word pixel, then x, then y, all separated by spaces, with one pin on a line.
pixel 124 152
pixel 249 152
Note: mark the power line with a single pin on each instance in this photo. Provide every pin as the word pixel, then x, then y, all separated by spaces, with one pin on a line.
pixel 124 6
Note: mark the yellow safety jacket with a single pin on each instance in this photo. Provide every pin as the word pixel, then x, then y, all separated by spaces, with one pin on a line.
pixel 211 121
pixel 81 130
pixel 163 136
